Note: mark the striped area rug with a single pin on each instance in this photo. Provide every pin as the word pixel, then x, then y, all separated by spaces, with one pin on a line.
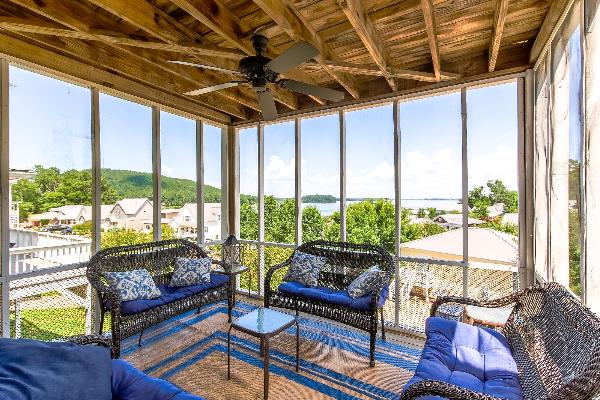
pixel 191 351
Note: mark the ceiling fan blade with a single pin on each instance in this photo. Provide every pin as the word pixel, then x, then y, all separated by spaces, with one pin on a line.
pixel 191 64
pixel 267 105
pixel 311 90
pixel 295 55
pixel 213 88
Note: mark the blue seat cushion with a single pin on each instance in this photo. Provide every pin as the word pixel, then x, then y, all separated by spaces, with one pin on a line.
pixel 129 383
pixel 470 357
pixel 171 294
pixel 31 369
pixel 333 296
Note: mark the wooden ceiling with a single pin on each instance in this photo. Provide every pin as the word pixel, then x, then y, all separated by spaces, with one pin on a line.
pixel 367 48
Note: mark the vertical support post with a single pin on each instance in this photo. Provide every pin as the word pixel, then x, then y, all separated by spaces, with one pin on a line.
pixel 224 182
pixel 298 179
pixel 397 206
pixel 96 171
pixel 260 131
pixel 4 198
pixel 590 273
pixel 18 318
pixel 94 303
pixel 465 192
pixel 200 181
pixel 522 272
pixel 529 157
pixel 342 175
pixel 233 181
pixel 156 171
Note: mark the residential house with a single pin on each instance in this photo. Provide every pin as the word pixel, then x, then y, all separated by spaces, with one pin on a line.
pixel 186 221
pixel 133 214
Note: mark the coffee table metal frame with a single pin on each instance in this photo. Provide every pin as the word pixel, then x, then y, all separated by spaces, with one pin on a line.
pixel 264 347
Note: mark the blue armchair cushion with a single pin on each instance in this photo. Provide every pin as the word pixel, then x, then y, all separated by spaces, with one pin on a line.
pixel 191 271
pixel 133 285
pixel 305 268
pixel 35 370
pixel 468 356
pixel 169 294
pixel 328 295
pixel 365 282
pixel 129 383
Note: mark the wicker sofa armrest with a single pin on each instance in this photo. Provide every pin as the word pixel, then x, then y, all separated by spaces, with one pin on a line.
pixel 444 389
pixel 271 272
pixel 106 293
pixel 495 303
pixel 100 340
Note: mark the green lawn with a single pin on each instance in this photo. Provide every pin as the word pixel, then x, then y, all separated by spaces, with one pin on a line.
pixel 52 323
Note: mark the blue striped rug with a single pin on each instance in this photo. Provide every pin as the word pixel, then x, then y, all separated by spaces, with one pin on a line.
pixel 191 351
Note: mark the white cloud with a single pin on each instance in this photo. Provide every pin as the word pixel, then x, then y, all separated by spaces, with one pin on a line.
pixel 279 177
pixel 431 176
pixel 500 164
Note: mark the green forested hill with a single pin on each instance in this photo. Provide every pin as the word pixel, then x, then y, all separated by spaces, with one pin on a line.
pixel 175 192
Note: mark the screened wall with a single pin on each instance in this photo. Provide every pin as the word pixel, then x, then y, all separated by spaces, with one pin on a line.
pixel 441 194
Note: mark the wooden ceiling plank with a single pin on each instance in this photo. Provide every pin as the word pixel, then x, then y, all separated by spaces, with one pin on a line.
pixel 67 66
pixel 19 25
pixel 497 30
pixel 393 71
pixel 298 28
pixel 217 17
pixel 430 27
pixel 75 17
pixel 550 23
pixel 363 26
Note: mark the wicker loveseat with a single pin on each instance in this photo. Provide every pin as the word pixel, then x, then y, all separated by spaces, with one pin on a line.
pixel 548 349
pixel 330 299
pixel 131 317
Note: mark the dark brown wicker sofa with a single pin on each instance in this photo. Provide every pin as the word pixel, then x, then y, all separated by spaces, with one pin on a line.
pixel 553 340
pixel 345 261
pixel 159 259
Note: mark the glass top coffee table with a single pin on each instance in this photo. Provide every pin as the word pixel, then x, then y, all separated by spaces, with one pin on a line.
pixel 263 323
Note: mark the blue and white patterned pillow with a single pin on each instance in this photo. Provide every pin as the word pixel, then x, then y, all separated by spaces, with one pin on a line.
pixel 365 282
pixel 191 271
pixel 305 268
pixel 133 285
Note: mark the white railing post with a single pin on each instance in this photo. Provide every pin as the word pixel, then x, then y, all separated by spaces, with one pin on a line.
pixel 465 192
pixel 398 208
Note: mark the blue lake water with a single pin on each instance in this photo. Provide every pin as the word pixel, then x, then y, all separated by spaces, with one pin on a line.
pixel 414 204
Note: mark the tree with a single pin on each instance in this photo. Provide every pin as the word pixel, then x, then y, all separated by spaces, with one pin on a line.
pixel 431 212
pixel 312 224
pixel 421 213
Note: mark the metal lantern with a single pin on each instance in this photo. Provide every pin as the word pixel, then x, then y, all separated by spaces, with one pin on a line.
pixel 232 253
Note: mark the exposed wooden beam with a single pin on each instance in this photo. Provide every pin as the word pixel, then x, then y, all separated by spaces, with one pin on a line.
pixel 394 72
pixel 364 28
pixel 75 17
pixel 430 27
pixel 218 18
pixel 557 8
pixel 161 25
pixel 497 29
pixel 44 58
pixel 284 13
pixel 20 25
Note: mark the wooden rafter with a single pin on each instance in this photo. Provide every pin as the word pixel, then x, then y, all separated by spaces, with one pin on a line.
pixel 497 30
pixel 76 17
pixel 217 17
pixel 295 25
pixel 19 25
pixel 37 55
pixel 392 71
pixel 557 8
pixel 431 28
pixel 364 28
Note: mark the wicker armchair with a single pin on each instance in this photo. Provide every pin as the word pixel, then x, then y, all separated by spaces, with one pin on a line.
pixel 345 261
pixel 554 340
pixel 159 259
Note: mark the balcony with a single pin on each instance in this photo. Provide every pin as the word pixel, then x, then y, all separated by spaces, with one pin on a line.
pixel 456 137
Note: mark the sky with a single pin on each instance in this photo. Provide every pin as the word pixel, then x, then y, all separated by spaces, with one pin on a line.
pixel 50 125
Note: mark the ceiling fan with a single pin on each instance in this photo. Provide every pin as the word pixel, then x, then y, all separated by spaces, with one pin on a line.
pixel 259 71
